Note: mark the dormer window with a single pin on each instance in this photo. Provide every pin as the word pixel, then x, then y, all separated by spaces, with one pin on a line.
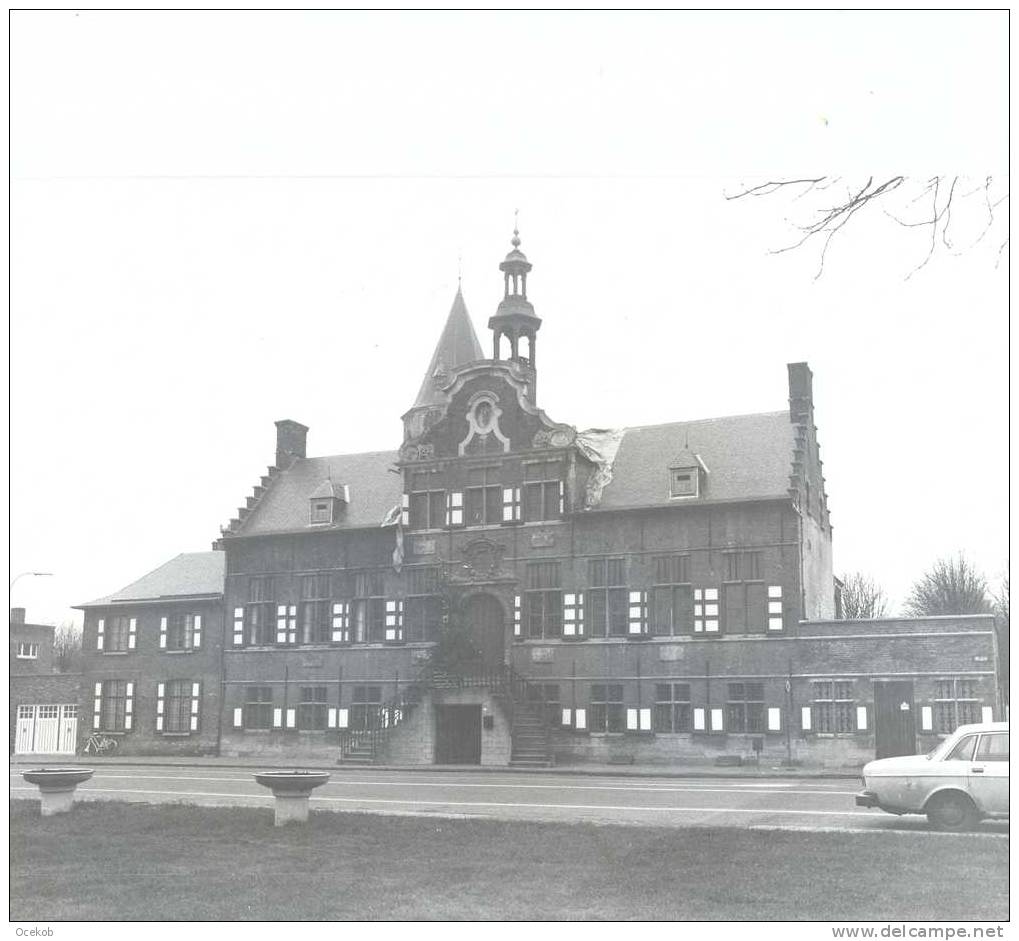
pixel 326 501
pixel 684 482
pixel 321 511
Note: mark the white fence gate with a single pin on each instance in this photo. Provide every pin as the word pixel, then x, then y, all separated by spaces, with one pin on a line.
pixel 46 730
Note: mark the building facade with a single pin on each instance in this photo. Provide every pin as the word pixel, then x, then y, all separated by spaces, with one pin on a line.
pixel 43 701
pixel 505 588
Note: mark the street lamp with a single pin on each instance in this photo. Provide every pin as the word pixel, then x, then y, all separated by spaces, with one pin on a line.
pixel 23 574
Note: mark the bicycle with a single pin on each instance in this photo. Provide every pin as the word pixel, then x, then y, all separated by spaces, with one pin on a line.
pixel 98 744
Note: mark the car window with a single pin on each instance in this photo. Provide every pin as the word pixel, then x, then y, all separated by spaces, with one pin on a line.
pixel 964 750
pixel 993 747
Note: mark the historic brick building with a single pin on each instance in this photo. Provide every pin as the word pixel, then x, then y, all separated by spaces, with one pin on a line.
pixel 504 587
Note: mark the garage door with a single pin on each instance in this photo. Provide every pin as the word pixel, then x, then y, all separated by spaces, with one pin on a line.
pixel 46 730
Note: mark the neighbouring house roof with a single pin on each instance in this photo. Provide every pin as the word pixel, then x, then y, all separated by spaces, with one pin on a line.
pixel 189 574
pixel 746 457
pixel 373 488
pixel 457 345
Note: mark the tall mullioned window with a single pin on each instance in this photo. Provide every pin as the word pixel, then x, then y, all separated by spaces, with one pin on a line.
pixel 606 708
pixel 483 497
pixel 427 501
pixel 672 707
pixel 423 605
pixel 258 707
pixel 311 713
pixel 606 598
pixel 315 624
pixel 543 600
pixel 744 710
pixel 543 490
pixel 672 595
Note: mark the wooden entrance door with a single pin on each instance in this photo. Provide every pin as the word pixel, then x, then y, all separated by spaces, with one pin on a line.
pixel 894 721
pixel 458 735
pixel 484 617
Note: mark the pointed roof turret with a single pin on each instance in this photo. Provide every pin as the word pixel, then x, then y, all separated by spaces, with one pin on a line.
pixel 457 345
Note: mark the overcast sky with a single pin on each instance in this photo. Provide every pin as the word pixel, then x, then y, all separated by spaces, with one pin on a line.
pixel 220 220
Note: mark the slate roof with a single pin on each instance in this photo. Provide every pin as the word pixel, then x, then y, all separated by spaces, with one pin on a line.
pixel 374 491
pixel 187 575
pixel 457 345
pixel 748 456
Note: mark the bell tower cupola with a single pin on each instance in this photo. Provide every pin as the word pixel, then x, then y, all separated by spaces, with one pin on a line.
pixel 515 325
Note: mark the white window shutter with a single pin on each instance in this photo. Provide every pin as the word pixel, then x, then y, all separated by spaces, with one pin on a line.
pixel 573 614
pixel 774 720
pixel 405 510
pixel 394 620
pixel 100 635
pixel 132 632
pixel 341 622
pixel 698 720
pixel 645 720
pixel 196 700
pixel 805 718
pixel 238 626
pixel 631 720
pixel 97 712
pixel 861 718
pixel 516 616
pixel 331 717
pixel 717 720
pixel 638 613
pixel 291 718
pixel 562 497
pixel 196 634
pixel 277 718
pixel 926 719
pixel 455 508
pixel 986 714
pixel 162 633
pixel 567 718
pixel 128 706
pixel 238 717
pixel 580 718
pixel 160 689
pixel 343 718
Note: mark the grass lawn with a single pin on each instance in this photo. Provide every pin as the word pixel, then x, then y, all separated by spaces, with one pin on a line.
pixel 109 861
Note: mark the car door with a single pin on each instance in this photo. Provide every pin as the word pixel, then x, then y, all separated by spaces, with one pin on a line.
pixel 988 773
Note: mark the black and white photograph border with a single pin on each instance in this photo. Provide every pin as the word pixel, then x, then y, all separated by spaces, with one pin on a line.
pixel 321 610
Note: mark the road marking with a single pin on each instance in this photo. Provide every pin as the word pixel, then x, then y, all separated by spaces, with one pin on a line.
pixel 760 811
pixel 695 788
pixel 765 828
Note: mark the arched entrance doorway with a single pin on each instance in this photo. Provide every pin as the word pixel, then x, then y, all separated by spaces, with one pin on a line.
pixel 484 618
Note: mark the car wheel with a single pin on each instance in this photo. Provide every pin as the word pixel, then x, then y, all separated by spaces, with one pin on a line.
pixel 952 812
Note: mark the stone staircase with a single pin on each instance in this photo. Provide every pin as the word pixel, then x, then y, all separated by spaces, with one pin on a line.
pixel 530 736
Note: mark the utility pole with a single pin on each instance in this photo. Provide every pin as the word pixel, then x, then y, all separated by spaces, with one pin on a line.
pixel 789 716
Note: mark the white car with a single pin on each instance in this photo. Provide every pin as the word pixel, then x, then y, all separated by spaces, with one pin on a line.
pixel 961 781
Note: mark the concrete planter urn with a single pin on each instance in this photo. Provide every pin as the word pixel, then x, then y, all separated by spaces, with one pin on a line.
pixel 56 786
pixel 291 790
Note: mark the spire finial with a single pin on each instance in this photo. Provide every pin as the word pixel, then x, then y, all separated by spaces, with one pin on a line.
pixel 515 241
pixel 459 270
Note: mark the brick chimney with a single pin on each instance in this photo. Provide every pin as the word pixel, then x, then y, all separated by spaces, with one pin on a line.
pixel 17 615
pixel 801 394
pixel 291 442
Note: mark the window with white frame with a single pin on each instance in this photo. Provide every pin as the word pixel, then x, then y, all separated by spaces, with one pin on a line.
pixel 511 505
pixel 27 651
pixel 180 631
pixel 116 634
pixel 705 611
pixel 114 700
pixel 394 621
pixel 744 709
pixel 955 703
pixel 637 617
pixel 672 707
pixel 340 622
pixel 177 706
pixel 455 508
pixel 683 481
pixel 833 706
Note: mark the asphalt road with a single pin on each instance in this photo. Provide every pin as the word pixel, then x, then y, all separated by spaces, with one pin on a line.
pixel 678 802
